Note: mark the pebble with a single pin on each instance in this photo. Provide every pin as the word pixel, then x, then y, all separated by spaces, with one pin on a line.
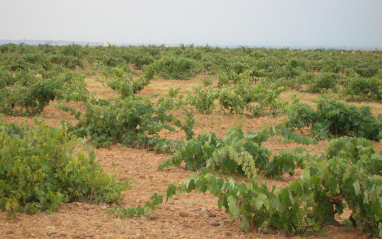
pixel 204 212
pixel 228 234
pixel 173 221
pixel 51 228
pixel 103 207
pixel 170 208
pixel 187 225
pixel 51 233
pixel 183 214
pixel 175 197
pixel 153 216
pixel 143 218
pixel 86 207
pixel 211 215
pixel 214 223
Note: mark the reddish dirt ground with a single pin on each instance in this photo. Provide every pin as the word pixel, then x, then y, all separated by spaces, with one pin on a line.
pixel 184 216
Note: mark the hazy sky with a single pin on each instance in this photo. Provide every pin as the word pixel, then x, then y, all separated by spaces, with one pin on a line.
pixel 333 23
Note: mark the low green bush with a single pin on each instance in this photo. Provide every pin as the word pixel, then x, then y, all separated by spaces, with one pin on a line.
pixel 39 170
pixel 178 68
pixel 334 117
pixel 362 89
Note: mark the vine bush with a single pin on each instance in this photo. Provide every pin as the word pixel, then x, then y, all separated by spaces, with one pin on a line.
pixel 39 170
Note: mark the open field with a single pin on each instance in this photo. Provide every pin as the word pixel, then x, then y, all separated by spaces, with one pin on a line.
pixel 305 123
pixel 81 220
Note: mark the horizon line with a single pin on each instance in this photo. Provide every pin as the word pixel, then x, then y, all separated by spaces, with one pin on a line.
pixel 227 45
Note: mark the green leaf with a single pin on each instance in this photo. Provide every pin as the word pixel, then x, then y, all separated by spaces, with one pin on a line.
pixel 260 200
pixel 233 207
pixel 244 223
pixel 171 190
pixel 291 198
pixel 357 187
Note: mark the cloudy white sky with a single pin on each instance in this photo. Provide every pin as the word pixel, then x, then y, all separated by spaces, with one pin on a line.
pixel 330 23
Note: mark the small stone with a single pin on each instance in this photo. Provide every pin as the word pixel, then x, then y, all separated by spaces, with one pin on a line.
pixel 204 212
pixel 89 235
pixel 183 214
pixel 226 221
pixel 143 218
pixel 175 197
pixel 113 205
pixel 92 206
pixel 78 203
pixel 63 234
pixel 187 225
pixel 211 215
pixel 86 207
pixel 153 216
pixel 103 207
pixel 214 223
pixel 138 200
pixel 228 234
pixel 51 233
pixel 173 221
pixel 51 228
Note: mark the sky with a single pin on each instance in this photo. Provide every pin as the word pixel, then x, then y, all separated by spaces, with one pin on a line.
pixel 275 23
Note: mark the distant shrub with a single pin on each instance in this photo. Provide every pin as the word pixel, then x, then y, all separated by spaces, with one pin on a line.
pixel 362 89
pixel 334 117
pixel 178 68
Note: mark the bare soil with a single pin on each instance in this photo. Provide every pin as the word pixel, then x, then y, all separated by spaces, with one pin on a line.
pixel 181 216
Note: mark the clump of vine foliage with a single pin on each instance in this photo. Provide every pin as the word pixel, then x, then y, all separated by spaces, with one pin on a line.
pixel 346 175
pixel 334 117
pixel 131 120
pixel 203 99
pixel 126 85
pixel 362 89
pixel 255 100
pixel 237 153
pixel 28 95
pixel 40 169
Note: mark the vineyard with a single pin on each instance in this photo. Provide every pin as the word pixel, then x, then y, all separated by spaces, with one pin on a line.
pixel 189 142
